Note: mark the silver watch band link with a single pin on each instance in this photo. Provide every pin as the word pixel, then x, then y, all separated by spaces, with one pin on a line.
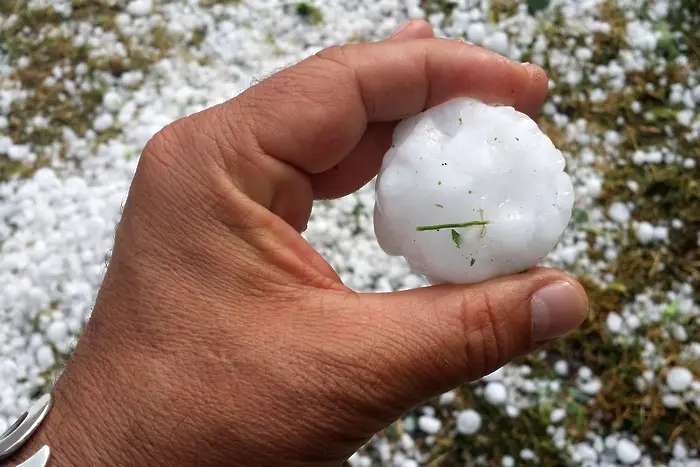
pixel 20 432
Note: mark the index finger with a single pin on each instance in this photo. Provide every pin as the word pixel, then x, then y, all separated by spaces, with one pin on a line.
pixel 312 115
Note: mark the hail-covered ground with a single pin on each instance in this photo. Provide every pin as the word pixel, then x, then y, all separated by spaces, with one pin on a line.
pixel 85 83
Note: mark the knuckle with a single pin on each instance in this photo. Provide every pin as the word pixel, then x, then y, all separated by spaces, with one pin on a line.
pixel 340 56
pixel 335 53
pixel 164 151
pixel 322 89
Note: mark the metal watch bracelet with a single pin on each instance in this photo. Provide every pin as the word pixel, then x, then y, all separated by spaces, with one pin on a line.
pixel 20 432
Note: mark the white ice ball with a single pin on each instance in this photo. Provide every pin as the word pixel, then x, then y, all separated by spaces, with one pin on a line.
pixel 679 379
pixel 496 393
pixel 139 7
pixel 429 424
pixel 627 452
pixel 470 191
pixel 468 422
pixel 557 415
pixel 45 358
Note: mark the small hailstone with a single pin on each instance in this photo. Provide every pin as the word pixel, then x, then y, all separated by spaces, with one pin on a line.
pixel 409 463
pixel 5 144
pixel 679 333
pixel 358 460
pixel 557 415
pixel 527 454
pixel 103 122
pixel 645 232
pixel 407 443
pixel 585 452
pixel 496 393
pixel 507 461
pixel 468 422
pixel 594 186
pixel 627 452
pixel 591 387
pixel 661 233
pixel 139 7
pixel 679 379
pixel 131 78
pixel 640 384
pixel 57 332
pixel 613 137
pixel 685 117
pixel 561 367
pixel 633 322
pixel 384 450
pixel 619 212
pixel 583 54
pixel 18 152
pixel 45 358
pixel 598 444
pixel 614 322
pixel 447 398
pixel 680 451
pixel 112 101
pixel 598 95
pixel 610 254
pixel 671 401
pixel 476 32
pixel 23 62
pixel 528 386
pixel 498 42
pixel 470 191
pixel 585 373
pixel 655 157
pixel 429 424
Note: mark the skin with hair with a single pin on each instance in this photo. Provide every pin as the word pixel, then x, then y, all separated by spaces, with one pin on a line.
pixel 220 337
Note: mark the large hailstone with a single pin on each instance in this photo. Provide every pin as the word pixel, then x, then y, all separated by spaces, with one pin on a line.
pixel 470 191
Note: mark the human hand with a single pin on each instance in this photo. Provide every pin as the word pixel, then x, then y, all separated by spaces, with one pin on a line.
pixel 220 337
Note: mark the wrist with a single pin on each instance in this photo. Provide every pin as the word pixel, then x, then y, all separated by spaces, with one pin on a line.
pixel 74 428
pixel 58 431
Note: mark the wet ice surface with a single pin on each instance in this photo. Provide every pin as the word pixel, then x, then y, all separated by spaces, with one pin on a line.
pixel 467 162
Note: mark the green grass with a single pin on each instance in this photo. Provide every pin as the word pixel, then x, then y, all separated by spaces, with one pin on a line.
pixel 310 13
pixel 31 37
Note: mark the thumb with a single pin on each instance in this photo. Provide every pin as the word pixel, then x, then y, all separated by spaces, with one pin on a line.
pixel 440 337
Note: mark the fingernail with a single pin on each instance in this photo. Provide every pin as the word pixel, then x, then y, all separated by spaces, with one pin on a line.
pixel 530 68
pixel 556 310
pixel 402 28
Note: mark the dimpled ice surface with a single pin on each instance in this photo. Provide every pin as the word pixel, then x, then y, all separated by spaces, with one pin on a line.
pixel 470 191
